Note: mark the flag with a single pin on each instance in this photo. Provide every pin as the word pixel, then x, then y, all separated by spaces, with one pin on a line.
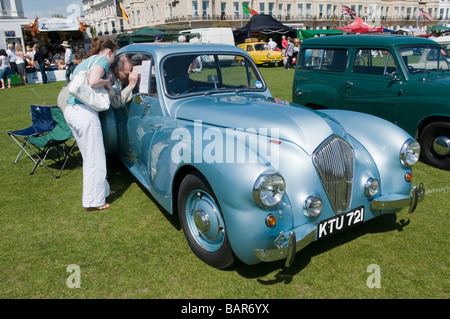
pixel 120 12
pixel 348 11
pixel 424 14
pixel 247 10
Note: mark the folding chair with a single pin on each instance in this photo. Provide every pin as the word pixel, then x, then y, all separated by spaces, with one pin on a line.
pixel 41 123
pixel 56 140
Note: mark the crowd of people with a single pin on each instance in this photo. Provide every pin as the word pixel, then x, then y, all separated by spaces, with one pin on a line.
pixel 16 60
pixel 289 47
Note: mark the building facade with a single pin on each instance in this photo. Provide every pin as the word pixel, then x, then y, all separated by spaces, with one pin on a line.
pixel 11 21
pixel 306 14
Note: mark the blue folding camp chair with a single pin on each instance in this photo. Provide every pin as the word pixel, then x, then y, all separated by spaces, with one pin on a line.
pixel 41 123
pixel 40 145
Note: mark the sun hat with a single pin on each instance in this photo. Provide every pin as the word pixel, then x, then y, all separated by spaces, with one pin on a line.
pixel 65 44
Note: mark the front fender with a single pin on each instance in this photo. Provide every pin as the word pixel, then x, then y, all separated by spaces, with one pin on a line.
pixel 383 141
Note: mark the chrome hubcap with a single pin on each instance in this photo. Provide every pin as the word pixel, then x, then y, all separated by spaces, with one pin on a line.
pixel 441 145
pixel 204 220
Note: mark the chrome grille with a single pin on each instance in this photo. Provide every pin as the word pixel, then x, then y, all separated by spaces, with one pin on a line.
pixel 334 164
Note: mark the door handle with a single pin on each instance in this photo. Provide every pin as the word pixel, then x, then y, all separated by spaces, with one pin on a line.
pixel 348 84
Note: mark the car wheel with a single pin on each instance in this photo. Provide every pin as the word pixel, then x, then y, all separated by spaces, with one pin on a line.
pixel 435 145
pixel 202 222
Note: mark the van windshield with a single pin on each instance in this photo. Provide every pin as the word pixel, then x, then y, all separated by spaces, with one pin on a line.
pixel 425 58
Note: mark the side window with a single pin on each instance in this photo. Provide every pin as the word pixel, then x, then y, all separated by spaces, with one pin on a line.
pixel 374 62
pixel 324 59
pixel 249 48
pixel 147 80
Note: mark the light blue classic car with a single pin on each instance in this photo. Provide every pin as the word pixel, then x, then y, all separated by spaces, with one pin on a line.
pixel 252 178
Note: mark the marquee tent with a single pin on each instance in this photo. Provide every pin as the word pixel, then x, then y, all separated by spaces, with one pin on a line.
pixel 263 23
pixel 359 26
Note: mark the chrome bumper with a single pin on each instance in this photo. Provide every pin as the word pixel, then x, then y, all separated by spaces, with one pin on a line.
pixel 307 233
pixel 396 201
pixel 288 247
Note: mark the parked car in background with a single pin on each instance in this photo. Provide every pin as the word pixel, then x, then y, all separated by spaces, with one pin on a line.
pixel 251 177
pixel 261 54
pixel 402 79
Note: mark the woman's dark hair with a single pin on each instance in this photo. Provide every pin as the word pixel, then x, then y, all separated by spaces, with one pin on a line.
pixel 3 52
pixel 99 45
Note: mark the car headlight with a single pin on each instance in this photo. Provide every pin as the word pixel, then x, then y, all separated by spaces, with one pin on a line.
pixel 269 189
pixel 409 153
pixel 313 205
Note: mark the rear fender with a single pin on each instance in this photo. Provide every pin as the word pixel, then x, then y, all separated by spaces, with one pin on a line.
pixel 321 95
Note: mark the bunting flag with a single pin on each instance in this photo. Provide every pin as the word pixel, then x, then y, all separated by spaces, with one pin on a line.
pixel 121 12
pixel 348 11
pixel 424 14
pixel 247 10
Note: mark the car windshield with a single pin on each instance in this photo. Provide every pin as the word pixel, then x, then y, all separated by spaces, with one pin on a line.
pixel 261 46
pixel 425 58
pixel 210 73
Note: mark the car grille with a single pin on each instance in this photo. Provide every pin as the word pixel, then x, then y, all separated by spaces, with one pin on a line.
pixel 334 163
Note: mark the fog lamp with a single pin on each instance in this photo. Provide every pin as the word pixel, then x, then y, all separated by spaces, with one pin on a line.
pixel 313 205
pixel 372 187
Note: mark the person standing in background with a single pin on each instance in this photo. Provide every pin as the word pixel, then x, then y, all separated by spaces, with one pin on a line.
pixel 39 58
pixel 68 61
pixel 20 62
pixel 12 58
pixel 4 68
pixel 289 54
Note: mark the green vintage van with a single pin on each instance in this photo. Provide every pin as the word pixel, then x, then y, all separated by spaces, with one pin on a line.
pixel 403 79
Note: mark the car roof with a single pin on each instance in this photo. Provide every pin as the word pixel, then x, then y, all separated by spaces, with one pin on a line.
pixel 367 40
pixel 165 48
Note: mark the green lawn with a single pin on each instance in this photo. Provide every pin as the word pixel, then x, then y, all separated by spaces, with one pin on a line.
pixel 136 250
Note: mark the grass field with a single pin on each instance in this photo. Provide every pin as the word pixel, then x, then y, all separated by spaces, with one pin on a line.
pixel 136 250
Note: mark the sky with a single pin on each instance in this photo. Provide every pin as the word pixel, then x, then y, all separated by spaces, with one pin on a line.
pixel 47 8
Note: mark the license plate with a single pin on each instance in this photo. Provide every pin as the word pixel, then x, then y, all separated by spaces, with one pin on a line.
pixel 340 222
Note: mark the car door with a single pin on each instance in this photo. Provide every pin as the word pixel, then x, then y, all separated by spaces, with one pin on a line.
pixel 375 84
pixel 140 119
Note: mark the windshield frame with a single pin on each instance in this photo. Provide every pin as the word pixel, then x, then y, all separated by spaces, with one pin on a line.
pixel 218 62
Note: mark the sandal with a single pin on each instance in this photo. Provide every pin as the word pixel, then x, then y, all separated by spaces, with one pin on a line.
pixel 90 209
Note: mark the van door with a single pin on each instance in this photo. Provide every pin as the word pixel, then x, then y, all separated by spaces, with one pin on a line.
pixel 375 85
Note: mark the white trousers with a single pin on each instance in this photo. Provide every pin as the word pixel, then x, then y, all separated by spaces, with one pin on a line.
pixel 86 128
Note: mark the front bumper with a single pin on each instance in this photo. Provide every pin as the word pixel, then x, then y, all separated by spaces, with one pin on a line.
pixel 290 246
pixel 396 201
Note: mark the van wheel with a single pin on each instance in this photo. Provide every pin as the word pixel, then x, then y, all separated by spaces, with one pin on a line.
pixel 435 145
pixel 202 222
